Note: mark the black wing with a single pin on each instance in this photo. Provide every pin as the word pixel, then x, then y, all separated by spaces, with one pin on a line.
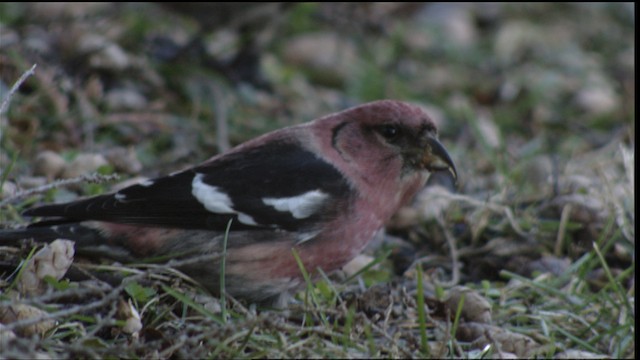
pixel 276 185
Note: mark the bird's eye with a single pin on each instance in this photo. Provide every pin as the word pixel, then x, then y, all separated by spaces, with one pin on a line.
pixel 389 132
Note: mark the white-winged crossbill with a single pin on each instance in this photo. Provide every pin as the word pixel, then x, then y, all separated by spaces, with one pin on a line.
pixel 324 188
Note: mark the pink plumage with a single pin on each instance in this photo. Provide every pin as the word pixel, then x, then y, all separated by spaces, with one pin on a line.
pixel 324 188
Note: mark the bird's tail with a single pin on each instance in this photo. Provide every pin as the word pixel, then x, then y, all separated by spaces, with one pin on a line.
pixel 41 232
pixel 88 241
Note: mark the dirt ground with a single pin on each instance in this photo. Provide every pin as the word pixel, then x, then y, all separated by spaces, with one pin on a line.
pixel 532 254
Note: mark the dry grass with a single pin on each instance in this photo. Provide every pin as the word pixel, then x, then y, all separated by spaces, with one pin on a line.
pixel 535 103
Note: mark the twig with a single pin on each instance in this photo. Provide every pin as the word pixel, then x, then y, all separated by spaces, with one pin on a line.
pixel 112 295
pixel 4 106
pixel 491 206
pixel 222 119
pixel 455 271
pixel 91 178
pixel 5 102
pixel 57 295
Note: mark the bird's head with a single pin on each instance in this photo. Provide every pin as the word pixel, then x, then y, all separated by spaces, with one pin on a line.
pixel 389 135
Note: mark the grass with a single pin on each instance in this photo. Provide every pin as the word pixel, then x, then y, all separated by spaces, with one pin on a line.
pixel 422 321
pixel 539 123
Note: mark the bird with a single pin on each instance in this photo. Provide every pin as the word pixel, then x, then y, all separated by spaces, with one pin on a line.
pixel 324 188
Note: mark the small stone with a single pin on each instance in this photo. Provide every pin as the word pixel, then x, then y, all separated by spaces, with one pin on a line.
pixel 8 189
pixel 475 307
pixel 125 99
pixel 49 164
pixel 84 164
pixel 124 159
pixel 103 53
pixel 328 57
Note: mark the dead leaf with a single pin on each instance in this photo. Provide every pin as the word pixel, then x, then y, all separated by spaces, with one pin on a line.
pixel 52 260
pixel 18 312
